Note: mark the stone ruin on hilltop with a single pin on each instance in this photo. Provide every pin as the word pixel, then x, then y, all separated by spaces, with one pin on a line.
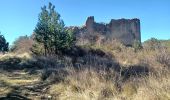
pixel 123 30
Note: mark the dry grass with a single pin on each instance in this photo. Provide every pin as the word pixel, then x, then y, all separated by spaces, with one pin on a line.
pixel 154 88
pixel 4 90
pixel 92 80
pixel 84 85
pixel 18 81
pixel 92 84
pixel 11 82
pixel 12 55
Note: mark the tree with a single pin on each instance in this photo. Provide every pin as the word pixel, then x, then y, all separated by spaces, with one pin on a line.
pixel 22 44
pixel 3 44
pixel 51 32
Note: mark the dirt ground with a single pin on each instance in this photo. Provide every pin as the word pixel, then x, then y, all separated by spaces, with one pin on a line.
pixel 21 85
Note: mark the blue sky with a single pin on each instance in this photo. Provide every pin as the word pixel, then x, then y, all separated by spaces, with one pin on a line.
pixel 19 17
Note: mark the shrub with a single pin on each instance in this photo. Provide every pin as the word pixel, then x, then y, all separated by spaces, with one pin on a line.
pixel 22 44
pixel 152 44
pixel 137 45
pixel 164 58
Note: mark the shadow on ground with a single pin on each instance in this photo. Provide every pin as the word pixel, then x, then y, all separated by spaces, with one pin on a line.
pixel 135 71
pixel 12 96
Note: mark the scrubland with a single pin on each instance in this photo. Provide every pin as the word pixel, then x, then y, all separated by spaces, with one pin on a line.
pixel 109 71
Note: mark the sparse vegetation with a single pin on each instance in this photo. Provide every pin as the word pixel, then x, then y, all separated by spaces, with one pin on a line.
pixel 22 44
pixel 137 45
pixel 107 74
pixel 59 69
pixel 153 44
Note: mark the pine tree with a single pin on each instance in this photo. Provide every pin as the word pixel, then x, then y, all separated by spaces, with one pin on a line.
pixel 41 30
pixel 50 31
pixel 3 44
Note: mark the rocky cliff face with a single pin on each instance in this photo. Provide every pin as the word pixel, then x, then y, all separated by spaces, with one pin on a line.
pixel 124 30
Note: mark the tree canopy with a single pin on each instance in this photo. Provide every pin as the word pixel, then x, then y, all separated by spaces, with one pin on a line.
pixel 51 32
pixel 3 44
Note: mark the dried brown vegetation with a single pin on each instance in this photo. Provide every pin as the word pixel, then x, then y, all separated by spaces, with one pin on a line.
pixel 98 72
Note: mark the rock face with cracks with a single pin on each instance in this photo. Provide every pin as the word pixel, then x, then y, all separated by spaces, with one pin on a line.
pixel 124 30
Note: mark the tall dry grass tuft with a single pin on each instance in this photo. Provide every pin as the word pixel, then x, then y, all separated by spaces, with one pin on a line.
pixel 90 84
pixel 85 84
pixel 154 87
pixel 148 70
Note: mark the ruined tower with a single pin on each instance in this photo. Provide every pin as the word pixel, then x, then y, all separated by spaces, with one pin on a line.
pixel 124 30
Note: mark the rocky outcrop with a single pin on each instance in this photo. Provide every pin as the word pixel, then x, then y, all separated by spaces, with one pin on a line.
pixel 124 30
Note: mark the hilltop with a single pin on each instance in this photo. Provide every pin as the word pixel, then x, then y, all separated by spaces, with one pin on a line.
pixel 97 61
pixel 124 30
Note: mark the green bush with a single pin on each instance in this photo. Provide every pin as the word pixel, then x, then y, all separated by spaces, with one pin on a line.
pixel 3 44
pixel 51 32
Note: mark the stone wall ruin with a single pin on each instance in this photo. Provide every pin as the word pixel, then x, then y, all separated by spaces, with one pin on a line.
pixel 123 30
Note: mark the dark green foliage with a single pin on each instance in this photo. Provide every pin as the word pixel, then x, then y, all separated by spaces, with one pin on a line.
pixel 51 33
pixel 3 44
pixel 37 49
